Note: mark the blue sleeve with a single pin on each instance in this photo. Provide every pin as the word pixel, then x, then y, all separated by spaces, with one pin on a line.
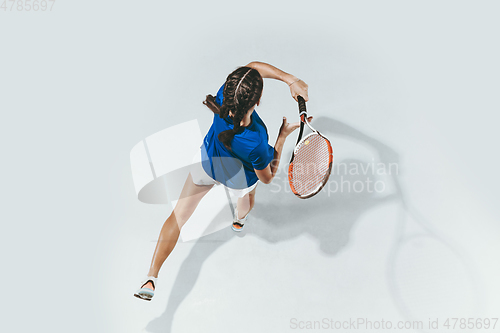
pixel 261 155
pixel 220 97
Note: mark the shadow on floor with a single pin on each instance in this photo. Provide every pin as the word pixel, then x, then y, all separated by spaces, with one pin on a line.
pixel 277 217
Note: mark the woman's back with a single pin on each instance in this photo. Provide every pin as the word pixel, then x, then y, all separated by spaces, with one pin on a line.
pixel 249 150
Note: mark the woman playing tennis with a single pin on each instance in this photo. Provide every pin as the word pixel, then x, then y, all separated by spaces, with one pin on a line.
pixel 235 153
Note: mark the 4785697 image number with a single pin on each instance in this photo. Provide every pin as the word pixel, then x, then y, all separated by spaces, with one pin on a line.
pixel 470 323
pixel 27 5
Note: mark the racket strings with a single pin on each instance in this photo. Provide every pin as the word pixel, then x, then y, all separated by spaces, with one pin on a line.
pixel 311 164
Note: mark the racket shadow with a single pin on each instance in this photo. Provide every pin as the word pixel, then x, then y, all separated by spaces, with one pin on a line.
pixel 420 251
pixel 430 276
pixel 334 215
pixel 327 217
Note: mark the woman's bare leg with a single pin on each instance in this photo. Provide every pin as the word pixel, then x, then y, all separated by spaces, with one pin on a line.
pixel 188 201
pixel 245 204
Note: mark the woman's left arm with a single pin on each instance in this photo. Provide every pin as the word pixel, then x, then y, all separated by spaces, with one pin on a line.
pixel 297 86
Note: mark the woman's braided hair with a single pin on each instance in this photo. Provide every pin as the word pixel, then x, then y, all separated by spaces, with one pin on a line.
pixel 242 91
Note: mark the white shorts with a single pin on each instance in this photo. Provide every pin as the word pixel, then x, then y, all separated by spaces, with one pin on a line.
pixel 200 177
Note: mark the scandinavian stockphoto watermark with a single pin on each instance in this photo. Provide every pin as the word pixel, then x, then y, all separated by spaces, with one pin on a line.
pixel 383 324
pixel 26 5
pixel 345 177
pixel 353 324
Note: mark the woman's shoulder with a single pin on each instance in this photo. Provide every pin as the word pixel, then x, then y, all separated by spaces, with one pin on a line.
pixel 219 98
pixel 259 125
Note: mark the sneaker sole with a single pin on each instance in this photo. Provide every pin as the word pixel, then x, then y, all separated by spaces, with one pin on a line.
pixel 143 298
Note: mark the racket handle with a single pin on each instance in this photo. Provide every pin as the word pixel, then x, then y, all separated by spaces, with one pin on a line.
pixel 302 107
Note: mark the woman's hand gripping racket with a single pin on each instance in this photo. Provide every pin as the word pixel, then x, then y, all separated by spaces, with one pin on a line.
pixel 312 159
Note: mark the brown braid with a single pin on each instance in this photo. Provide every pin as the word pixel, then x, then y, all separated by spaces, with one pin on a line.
pixel 242 91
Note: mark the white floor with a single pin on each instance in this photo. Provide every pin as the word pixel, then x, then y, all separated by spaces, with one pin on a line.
pixel 412 85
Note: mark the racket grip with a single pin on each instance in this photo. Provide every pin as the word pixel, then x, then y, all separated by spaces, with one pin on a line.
pixel 302 107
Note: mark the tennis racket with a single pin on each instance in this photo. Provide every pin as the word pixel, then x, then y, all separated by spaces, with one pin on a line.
pixel 428 276
pixel 312 159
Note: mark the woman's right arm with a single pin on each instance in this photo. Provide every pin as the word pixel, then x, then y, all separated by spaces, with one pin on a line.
pixel 267 71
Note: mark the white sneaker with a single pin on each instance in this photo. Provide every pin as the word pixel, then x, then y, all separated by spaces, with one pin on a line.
pixel 146 293
pixel 238 224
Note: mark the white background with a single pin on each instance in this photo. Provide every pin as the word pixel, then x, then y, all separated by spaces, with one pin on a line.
pixel 82 83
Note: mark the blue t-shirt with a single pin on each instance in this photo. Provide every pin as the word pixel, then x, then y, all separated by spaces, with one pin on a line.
pixel 249 150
